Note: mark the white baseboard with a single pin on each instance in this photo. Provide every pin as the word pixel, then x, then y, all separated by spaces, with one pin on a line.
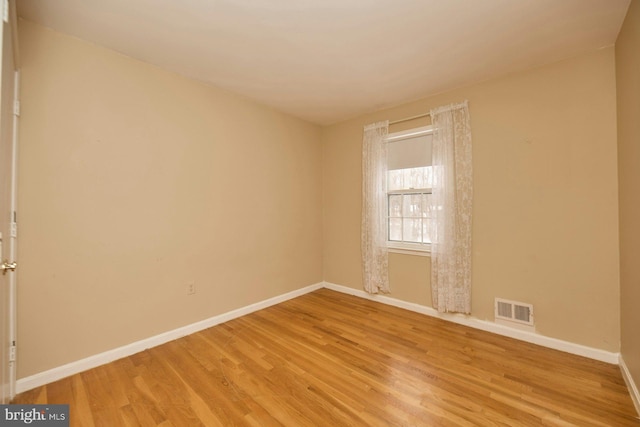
pixel 631 385
pixel 46 377
pixel 531 337
pixel 42 378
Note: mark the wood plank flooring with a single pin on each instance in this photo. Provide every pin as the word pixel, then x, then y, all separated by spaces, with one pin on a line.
pixel 329 359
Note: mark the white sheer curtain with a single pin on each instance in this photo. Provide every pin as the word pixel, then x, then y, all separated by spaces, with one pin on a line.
pixel 451 209
pixel 375 263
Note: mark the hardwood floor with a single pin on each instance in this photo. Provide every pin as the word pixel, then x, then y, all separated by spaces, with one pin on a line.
pixel 329 359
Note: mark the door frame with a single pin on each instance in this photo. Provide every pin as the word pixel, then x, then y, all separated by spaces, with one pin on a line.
pixel 13 243
pixel 10 18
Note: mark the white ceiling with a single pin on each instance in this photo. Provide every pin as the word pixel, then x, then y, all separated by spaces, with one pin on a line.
pixel 329 60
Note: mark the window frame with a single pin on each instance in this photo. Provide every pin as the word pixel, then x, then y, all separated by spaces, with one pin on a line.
pixel 404 247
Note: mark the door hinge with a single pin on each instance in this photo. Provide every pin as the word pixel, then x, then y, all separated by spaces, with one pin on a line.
pixel 12 353
pixel 16 108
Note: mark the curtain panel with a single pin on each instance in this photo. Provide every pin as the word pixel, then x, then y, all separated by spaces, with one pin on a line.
pixel 375 264
pixel 451 208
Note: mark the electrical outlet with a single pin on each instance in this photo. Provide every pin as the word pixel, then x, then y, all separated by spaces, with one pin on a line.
pixel 191 288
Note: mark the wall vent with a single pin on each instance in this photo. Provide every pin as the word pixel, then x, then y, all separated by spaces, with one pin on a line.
pixel 514 311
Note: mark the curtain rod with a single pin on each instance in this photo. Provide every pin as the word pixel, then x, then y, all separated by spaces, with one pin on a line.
pixel 406 119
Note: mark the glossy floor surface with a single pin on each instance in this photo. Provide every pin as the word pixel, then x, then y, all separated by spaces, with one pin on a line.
pixel 329 359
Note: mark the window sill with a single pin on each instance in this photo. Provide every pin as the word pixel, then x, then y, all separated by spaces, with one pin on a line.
pixel 397 249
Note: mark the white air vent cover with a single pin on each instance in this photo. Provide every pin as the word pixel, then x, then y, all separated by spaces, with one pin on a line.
pixel 514 311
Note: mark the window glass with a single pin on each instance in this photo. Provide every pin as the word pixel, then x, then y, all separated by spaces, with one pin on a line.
pixel 409 180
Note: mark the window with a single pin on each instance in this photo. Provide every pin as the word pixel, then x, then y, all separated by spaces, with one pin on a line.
pixel 409 178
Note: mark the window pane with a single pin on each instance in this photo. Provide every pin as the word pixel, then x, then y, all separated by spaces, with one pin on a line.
pixel 395 229
pixel 428 177
pixel 395 180
pixel 428 214
pixel 405 179
pixel 395 205
pixel 412 205
pixel 409 211
pixel 425 231
pixel 412 230
pixel 426 208
pixel 416 178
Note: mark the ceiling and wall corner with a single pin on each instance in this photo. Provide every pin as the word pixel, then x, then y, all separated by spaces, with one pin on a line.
pixel 330 60
pixel 324 62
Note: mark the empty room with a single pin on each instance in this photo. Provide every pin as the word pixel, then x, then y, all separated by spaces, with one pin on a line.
pixel 320 213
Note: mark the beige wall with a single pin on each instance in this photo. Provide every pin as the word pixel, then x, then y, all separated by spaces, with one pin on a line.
pixel 134 181
pixel 545 207
pixel 628 82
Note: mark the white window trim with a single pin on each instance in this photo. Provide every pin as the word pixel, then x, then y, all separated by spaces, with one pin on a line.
pixel 410 133
pixel 409 248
